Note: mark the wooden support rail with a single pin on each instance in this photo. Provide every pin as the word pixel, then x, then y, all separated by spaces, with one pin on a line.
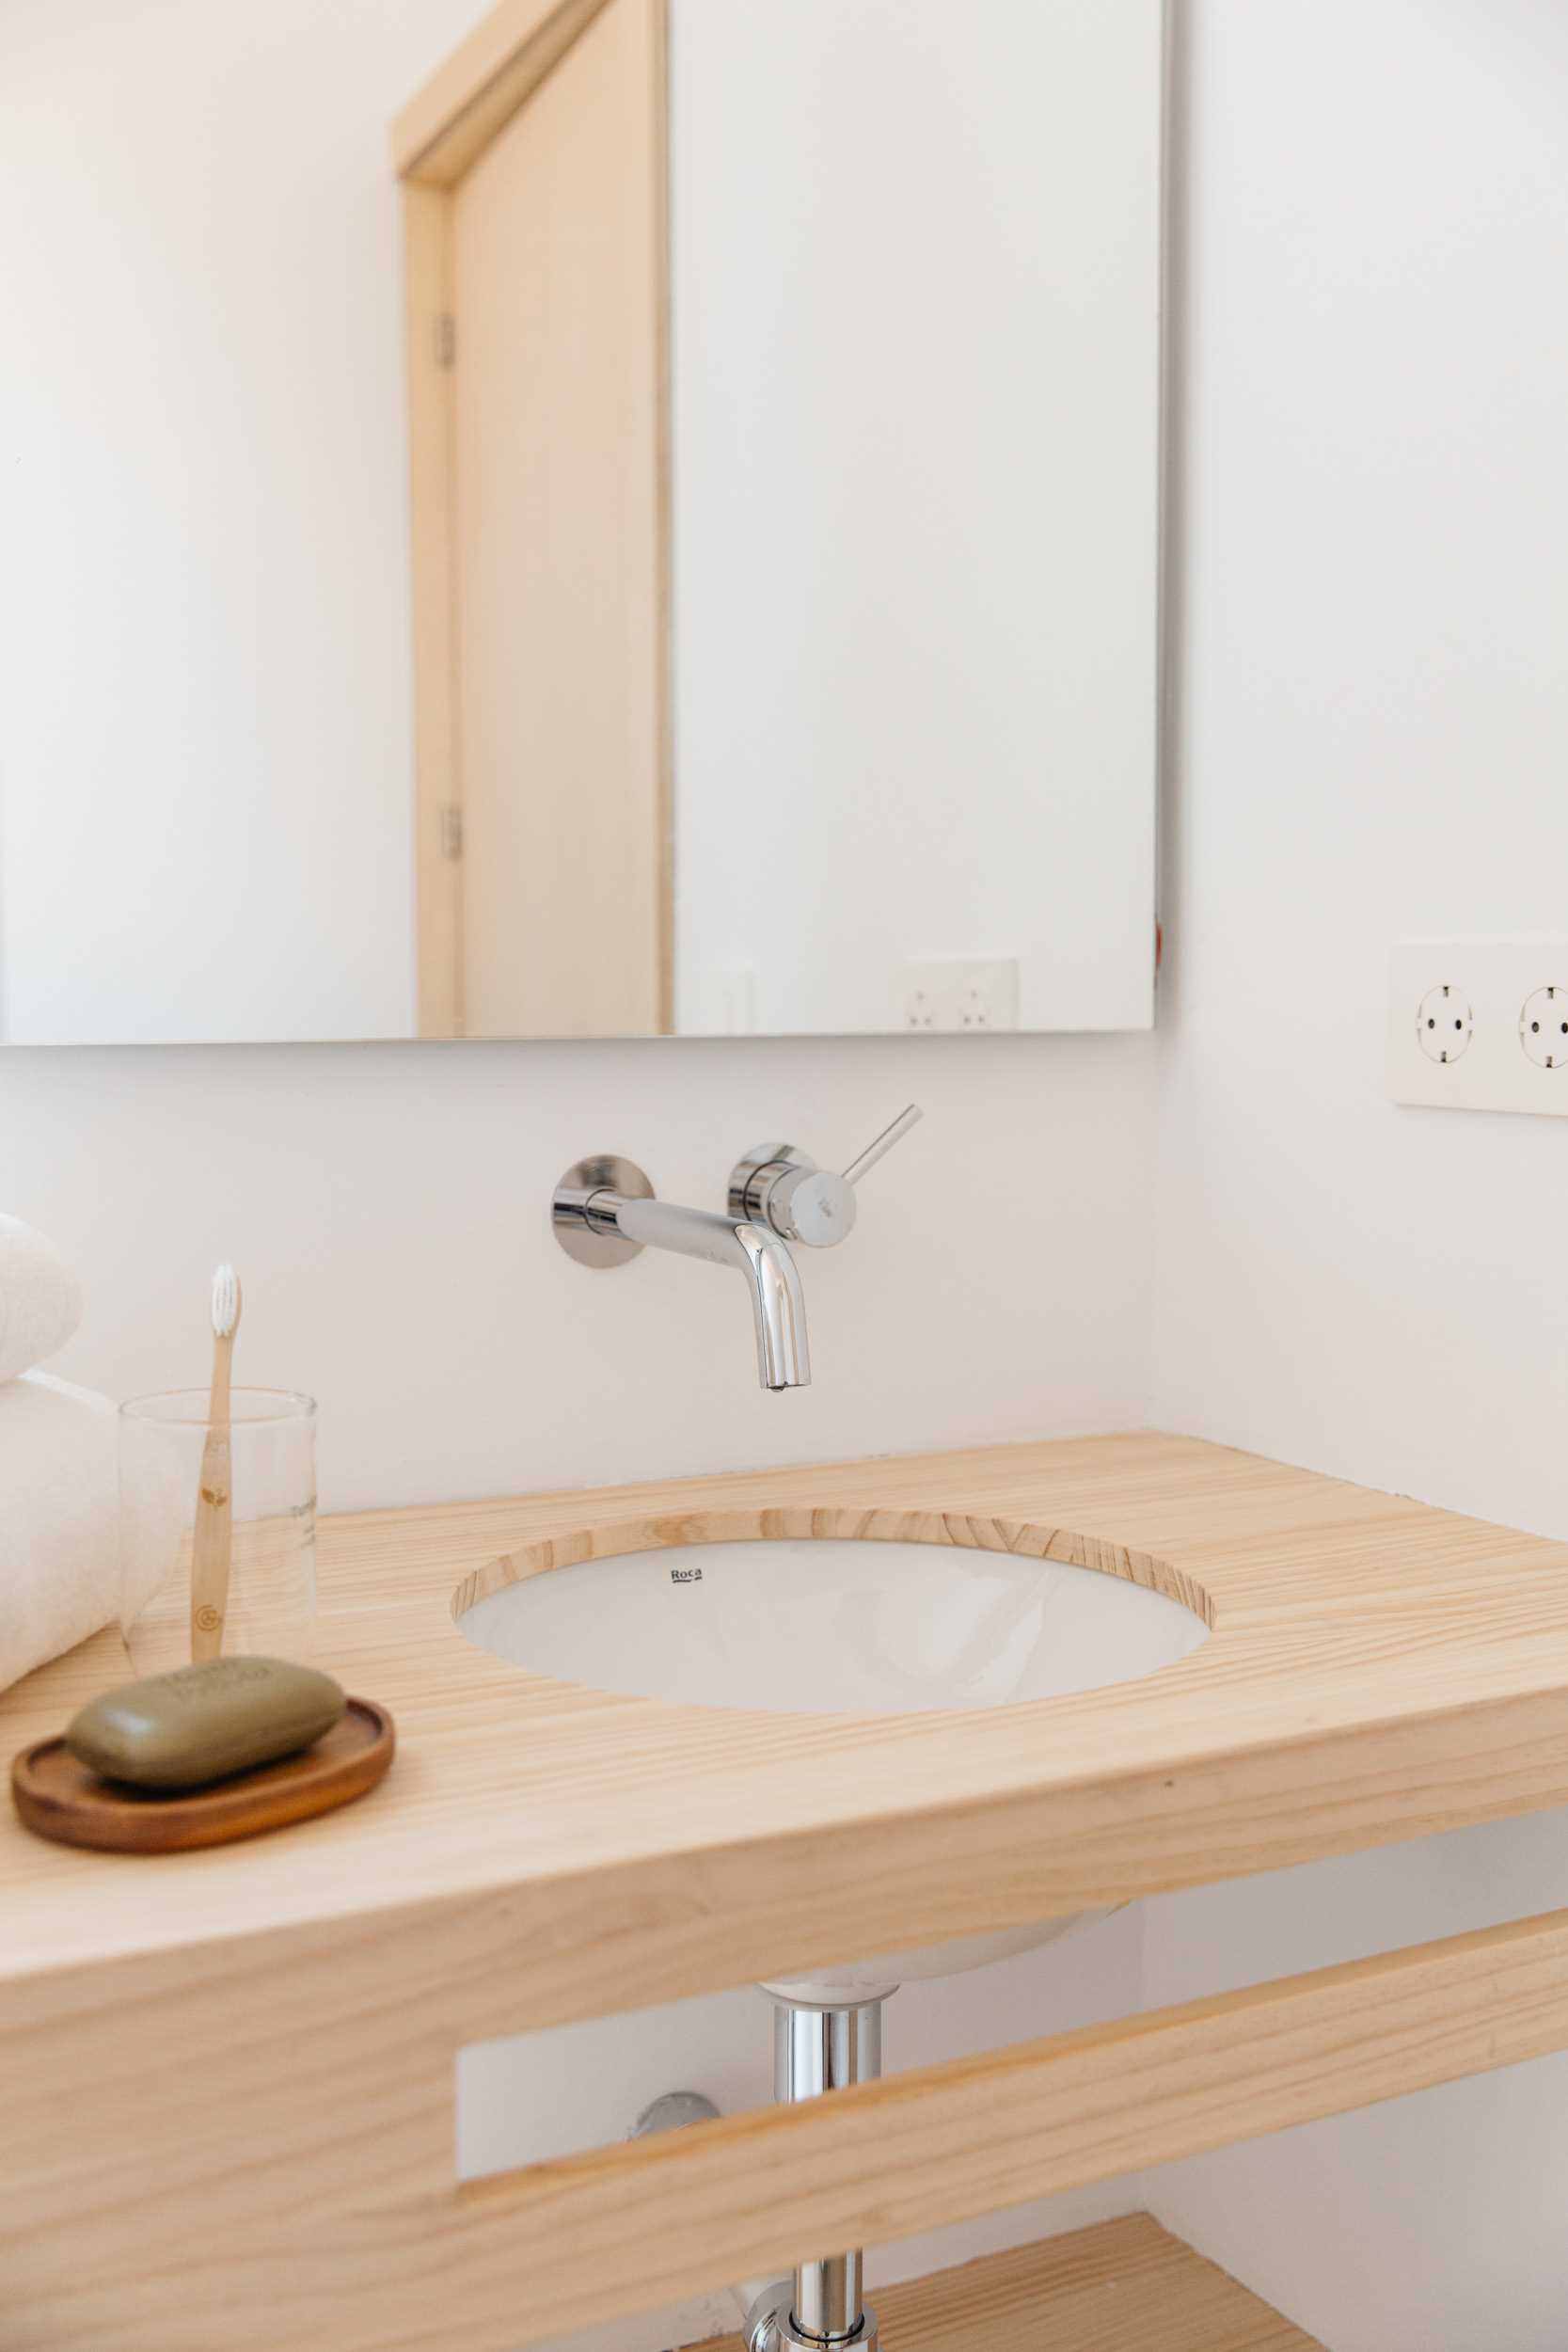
pixel 625 2227
pixel 334 2267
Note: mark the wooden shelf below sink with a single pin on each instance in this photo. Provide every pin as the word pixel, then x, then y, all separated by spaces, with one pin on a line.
pixel 1123 2286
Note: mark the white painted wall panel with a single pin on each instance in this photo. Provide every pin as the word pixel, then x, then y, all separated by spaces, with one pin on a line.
pixel 916 313
pixel 1371 595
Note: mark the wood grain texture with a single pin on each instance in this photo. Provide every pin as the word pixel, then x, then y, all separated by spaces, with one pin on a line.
pixel 323 2248
pixel 473 95
pixel 558 292
pixel 438 785
pixel 1121 2287
pixel 661 393
pixel 749 1524
pixel 213 1536
pixel 1376 1670
pixel 537 237
pixel 59 1798
pixel 282 2017
pixel 750 2194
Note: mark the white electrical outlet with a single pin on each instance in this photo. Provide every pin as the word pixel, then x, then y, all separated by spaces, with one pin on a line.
pixel 962 993
pixel 1444 1023
pixel 1544 1027
pixel 1480 1024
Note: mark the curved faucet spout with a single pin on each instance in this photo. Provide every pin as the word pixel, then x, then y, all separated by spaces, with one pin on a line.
pixel 778 1307
pixel 772 1277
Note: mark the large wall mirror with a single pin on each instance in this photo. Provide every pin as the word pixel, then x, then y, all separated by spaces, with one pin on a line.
pixel 583 518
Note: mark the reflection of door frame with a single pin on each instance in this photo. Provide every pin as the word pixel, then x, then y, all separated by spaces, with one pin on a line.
pixel 439 135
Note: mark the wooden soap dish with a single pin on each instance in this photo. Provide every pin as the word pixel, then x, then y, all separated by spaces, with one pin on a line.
pixel 60 1798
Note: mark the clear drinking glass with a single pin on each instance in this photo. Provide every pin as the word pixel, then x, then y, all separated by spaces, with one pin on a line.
pixel 272 1579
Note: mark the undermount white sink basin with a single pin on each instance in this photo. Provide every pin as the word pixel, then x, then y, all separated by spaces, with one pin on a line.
pixel 824 1626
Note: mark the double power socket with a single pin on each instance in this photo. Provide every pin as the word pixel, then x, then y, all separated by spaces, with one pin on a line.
pixel 962 993
pixel 1480 1024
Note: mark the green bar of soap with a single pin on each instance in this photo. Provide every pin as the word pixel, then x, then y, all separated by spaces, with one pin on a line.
pixel 199 1723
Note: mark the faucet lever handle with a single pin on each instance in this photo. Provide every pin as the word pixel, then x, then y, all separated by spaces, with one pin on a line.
pixel 779 1188
pixel 908 1118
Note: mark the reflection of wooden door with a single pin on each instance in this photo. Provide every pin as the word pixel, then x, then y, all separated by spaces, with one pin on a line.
pixel 554 493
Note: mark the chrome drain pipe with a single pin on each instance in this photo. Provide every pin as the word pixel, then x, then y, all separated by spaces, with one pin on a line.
pixel 816 2050
pixel 823 2307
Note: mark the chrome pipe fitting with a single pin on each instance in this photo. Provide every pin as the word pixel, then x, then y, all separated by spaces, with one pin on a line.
pixel 823 2307
pixel 771 2326
pixel 672 2112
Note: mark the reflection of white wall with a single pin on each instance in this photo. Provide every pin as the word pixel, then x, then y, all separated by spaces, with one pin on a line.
pixel 204 733
pixel 204 737
pixel 915 344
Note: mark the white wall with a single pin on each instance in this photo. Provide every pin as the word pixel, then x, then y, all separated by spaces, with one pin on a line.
pixel 388 1208
pixel 916 309
pixel 205 764
pixel 1372 735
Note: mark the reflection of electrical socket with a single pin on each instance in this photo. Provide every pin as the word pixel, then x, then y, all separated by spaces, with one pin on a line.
pixel 962 994
pixel 724 1003
pixel 1480 1024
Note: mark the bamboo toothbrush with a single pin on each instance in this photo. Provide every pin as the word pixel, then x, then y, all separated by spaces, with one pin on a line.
pixel 211 1543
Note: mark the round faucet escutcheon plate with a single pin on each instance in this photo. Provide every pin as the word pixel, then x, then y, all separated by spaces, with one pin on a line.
pixel 601 1171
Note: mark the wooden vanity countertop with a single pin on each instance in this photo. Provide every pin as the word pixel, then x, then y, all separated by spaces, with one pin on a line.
pixel 1376 1670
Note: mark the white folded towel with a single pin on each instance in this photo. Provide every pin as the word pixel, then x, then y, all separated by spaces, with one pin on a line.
pixel 40 1300
pixel 59 1571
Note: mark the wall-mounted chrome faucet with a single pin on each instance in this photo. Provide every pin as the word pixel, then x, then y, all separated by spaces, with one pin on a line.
pixel 604 1211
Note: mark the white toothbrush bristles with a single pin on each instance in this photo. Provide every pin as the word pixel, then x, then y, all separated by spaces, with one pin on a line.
pixel 226 1301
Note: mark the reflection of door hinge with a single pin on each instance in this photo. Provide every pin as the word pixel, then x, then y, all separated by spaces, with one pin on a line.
pixel 446 339
pixel 451 831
